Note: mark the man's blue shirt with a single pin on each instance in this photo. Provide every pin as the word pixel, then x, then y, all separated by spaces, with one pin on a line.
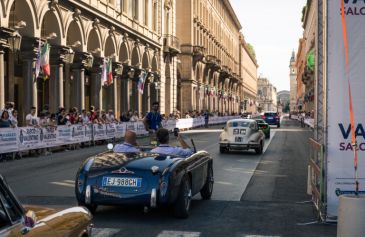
pixel 169 150
pixel 125 147
pixel 154 119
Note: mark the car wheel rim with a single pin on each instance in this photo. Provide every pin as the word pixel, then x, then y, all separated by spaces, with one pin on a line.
pixel 210 181
pixel 187 196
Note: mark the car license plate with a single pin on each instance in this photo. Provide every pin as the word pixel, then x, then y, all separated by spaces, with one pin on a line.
pixel 270 117
pixel 238 139
pixel 122 182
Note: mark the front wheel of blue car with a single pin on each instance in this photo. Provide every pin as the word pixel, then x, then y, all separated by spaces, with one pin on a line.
pixel 182 204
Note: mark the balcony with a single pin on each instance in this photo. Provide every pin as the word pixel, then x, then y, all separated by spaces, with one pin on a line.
pixel 171 45
pixel 198 53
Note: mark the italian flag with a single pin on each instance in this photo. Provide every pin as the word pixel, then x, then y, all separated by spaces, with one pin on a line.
pixel 44 59
pixel 109 72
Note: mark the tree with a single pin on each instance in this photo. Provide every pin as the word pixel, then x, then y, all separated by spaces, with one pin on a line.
pixel 251 50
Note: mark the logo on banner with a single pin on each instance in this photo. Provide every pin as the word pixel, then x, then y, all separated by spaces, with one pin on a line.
pixel 354 8
pixel 21 136
pixel 346 132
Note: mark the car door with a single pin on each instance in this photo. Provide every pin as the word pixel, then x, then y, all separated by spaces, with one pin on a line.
pixel 12 216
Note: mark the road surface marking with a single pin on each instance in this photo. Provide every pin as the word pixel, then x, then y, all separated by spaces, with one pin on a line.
pixel 66 183
pixel 104 232
pixel 168 233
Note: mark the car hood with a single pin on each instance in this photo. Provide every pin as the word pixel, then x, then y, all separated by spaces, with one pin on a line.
pixel 142 160
pixel 40 212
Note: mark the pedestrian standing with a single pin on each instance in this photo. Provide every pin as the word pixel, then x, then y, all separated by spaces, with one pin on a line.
pixel 153 119
pixel 206 118
pixel 31 118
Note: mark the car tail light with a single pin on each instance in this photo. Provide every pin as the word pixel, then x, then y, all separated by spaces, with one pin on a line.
pixel 264 127
pixel 263 117
pixel 277 117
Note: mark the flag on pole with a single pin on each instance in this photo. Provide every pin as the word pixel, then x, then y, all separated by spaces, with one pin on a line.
pixel 45 60
pixel 38 62
pixel 109 71
pixel 141 81
pixel 104 80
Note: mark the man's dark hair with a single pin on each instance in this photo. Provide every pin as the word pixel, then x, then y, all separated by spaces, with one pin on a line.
pixel 156 103
pixel 33 107
pixel 162 135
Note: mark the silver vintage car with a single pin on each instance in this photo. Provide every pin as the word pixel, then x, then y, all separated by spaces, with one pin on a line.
pixel 241 134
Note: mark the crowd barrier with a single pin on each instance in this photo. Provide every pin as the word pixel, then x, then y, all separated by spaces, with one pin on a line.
pixel 28 138
pixel 307 121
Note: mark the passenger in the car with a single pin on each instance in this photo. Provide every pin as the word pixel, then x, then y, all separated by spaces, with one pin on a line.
pixel 164 148
pixel 129 144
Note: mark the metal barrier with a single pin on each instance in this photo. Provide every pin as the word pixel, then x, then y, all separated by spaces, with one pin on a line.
pixel 30 138
pixel 316 177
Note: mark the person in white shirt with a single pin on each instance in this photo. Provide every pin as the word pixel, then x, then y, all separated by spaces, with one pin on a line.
pixel 129 144
pixel 84 117
pixel 32 119
pixel 110 117
pixel 164 147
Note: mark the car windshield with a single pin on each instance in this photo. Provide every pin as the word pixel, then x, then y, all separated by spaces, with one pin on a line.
pixel 272 114
pixel 238 124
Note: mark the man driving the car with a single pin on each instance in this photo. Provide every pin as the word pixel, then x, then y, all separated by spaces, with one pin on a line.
pixel 129 144
pixel 162 135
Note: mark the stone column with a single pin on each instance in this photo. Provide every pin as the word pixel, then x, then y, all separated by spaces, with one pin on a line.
pixel 56 87
pixel 124 97
pixel 135 97
pixel 115 94
pixel 79 77
pixel 96 89
pixel 67 88
pixel 2 79
pixel 146 98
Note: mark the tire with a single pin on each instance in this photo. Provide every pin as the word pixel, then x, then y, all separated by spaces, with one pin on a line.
pixel 260 149
pixel 91 207
pixel 183 201
pixel 207 190
pixel 278 125
pixel 222 150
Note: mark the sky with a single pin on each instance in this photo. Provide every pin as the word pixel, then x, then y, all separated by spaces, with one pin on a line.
pixel 273 28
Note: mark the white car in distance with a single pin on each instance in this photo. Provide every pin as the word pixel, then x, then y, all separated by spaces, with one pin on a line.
pixel 241 134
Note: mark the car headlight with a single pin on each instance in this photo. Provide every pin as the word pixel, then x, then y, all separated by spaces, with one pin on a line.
pixel 163 188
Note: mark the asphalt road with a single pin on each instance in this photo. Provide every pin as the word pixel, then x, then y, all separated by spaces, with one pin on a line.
pixel 254 195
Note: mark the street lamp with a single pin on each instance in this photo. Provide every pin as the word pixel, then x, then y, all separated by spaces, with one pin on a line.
pixel 15 38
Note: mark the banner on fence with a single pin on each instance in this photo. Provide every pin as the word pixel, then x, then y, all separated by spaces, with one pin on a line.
pixel 29 138
pixel 48 137
pixel 26 138
pixel 99 132
pixel 8 140
pixel 339 150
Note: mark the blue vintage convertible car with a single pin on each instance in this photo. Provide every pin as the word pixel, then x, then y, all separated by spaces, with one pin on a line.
pixel 144 178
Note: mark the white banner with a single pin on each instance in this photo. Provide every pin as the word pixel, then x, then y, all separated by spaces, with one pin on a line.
pixel 49 137
pixel 110 130
pixel 99 132
pixel 120 130
pixel 78 133
pixel 64 134
pixel 340 158
pixel 8 140
pixel 29 138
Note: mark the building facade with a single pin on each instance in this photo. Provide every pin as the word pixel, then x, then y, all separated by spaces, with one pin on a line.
pixel 309 36
pixel 293 83
pixel 208 72
pixel 248 73
pixel 266 95
pixel 138 37
pixel 283 101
